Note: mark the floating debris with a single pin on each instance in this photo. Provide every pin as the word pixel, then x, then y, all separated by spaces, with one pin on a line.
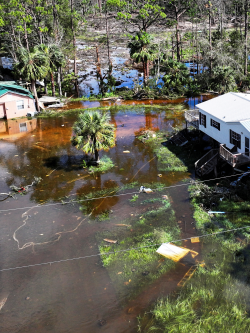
pixel 174 252
pixel 110 241
pixel 2 302
pixel 123 225
pixel 145 190
pixel 195 240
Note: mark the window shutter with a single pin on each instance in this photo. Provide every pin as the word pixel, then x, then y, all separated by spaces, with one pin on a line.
pixel 205 121
pixel 239 142
pixel 200 117
pixel 219 126
pixel 230 136
pixel 211 122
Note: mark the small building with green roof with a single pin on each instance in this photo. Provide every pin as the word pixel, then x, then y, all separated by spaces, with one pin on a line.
pixel 15 101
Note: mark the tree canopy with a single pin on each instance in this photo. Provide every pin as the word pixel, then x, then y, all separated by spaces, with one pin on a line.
pixel 93 132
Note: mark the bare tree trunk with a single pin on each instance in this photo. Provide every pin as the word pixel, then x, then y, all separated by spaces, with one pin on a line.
pixel 52 84
pixel 99 72
pixel 59 81
pixel 246 33
pixel 45 86
pixel 55 20
pixel 210 38
pixel 33 88
pixel 100 5
pixel 177 39
pixel 74 46
pixel 110 69
pixel 96 151
pixel 173 47
pixel 26 36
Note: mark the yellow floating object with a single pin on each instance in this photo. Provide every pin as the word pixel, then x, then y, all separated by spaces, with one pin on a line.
pixel 174 252
pixel 195 240
pixel 126 151
pixel 187 276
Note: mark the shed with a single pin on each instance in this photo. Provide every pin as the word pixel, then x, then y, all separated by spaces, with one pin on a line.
pixel 15 101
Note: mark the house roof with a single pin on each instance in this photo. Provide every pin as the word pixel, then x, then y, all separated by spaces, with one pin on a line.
pixel 230 107
pixel 246 124
pixel 12 87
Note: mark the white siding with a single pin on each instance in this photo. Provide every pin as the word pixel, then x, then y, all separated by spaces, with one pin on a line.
pixel 223 136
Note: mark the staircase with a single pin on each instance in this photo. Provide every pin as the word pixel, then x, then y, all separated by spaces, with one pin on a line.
pixel 207 163
pixel 179 139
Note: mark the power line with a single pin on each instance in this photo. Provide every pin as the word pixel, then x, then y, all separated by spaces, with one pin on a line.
pixel 114 252
pixel 123 194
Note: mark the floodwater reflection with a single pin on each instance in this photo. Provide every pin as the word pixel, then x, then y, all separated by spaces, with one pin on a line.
pixel 15 128
pixel 73 296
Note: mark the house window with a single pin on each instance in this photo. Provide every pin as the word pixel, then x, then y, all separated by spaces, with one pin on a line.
pixel 235 139
pixel 203 120
pixel 247 146
pixel 20 105
pixel 23 127
pixel 215 124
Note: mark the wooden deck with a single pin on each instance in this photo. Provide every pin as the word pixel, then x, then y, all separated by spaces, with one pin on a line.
pixel 234 159
pixel 192 118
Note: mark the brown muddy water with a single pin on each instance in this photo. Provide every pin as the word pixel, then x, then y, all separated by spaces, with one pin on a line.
pixel 76 296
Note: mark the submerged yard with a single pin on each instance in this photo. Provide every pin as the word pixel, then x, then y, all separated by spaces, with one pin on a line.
pixel 99 218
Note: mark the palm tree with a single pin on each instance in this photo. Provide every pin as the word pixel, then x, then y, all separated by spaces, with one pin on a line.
pixel 140 51
pixel 55 60
pixel 32 65
pixel 93 132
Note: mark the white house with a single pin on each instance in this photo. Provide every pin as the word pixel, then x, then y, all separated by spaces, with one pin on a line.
pixel 226 119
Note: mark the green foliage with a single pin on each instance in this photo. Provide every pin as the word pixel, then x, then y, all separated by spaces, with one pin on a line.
pixel 93 132
pixel 131 270
pixel 32 65
pixel 104 165
pixel 145 13
pixel 176 78
pixel 212 302
pixel 134 198
pixel 235 38
pixel 68 82
pixel 223 79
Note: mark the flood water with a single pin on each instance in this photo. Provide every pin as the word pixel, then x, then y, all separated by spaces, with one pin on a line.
pixel 77 296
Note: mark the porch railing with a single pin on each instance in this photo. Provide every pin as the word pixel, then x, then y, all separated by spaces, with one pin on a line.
pixel 206 158
pixel 233 159
pixel 192 117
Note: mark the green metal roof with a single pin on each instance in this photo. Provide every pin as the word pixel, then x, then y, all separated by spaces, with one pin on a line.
pixel 11 87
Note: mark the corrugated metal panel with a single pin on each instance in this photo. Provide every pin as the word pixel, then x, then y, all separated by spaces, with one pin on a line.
pixel 231 107
pixel 246 124
pixel 12 88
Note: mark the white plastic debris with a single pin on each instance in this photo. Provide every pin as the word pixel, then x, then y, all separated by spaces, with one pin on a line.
pixel 145 190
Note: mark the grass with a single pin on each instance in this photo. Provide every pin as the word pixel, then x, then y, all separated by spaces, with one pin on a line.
pixel 95 97
pixel 122 108
pixel 212 302
pixel 130 271
pixel 216 298
pixel 104 165
pixel 134 198
pixel 87 206
pixel 167 160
